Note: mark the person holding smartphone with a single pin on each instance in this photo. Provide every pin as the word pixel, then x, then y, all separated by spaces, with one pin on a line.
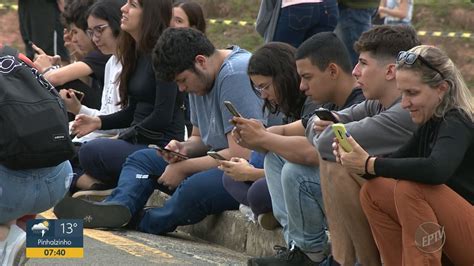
pixel 211 76
pixel 103 29
pixel 291 161
pixel 427 185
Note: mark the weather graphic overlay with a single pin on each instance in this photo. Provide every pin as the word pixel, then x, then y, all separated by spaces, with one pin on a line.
pixel 63 238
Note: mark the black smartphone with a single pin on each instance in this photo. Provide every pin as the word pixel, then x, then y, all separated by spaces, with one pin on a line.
pixel 232 108
pixel 216 155
pixel 325 114
pixel 162 149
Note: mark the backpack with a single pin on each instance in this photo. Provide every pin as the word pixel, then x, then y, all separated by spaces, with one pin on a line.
pixel 34 130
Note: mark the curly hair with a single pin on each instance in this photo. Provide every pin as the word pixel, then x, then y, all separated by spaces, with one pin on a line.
pixel 177 49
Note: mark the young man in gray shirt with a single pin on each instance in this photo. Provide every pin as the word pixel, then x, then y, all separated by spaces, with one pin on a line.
pixel 211 76
pixel 379 124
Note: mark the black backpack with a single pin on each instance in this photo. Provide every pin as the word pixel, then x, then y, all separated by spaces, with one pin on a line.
pixel 34 130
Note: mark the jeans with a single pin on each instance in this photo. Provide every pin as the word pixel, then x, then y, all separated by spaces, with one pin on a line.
pixel 199 195
pixel 32 191
pixel 297 23
pixel 297 202
pixel 103 158
pixel 352 23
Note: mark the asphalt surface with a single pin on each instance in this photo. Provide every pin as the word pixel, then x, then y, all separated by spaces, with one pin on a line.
pixel 136 248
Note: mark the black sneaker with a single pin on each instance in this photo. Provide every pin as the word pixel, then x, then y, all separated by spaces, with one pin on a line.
pixel 94 214
pixel 283 257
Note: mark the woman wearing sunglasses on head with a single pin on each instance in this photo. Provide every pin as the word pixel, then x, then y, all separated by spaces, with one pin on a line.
pixel 419 201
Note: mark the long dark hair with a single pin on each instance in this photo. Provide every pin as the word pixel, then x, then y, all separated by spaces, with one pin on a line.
pixel 155 19
pixel 194 12
pixel 277 60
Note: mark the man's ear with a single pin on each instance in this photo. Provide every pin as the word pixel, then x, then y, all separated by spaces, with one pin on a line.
pixel 390 71
pixel 333 70
pixel 201 60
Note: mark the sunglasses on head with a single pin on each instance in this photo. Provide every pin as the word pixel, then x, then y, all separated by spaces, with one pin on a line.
pixel 410 58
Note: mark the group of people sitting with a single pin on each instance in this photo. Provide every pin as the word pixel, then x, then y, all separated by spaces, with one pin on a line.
pixel 408 113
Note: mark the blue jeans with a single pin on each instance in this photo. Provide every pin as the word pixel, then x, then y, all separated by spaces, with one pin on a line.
pixel 297 23
pixel 352 23
pixel 32 191
pixel 297 202
pixel 103 158
pixel 196 197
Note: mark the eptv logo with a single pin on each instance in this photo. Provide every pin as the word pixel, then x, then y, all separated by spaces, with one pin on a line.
pixel 430 237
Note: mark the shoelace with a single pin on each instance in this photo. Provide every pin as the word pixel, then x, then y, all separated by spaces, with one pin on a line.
pixel 284 252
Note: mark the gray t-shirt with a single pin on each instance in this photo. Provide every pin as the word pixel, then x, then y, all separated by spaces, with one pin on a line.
pixel 379 130
pixel 208 112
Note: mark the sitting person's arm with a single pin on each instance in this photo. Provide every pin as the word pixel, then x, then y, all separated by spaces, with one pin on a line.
pixel 285 140
pixel 380 133
pixel 241 170
pixel 453 140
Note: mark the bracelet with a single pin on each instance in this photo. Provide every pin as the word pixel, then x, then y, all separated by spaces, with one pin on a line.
pixel 51 68
pixel 367 164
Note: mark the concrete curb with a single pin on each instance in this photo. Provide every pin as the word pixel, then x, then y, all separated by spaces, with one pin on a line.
pixel 230 229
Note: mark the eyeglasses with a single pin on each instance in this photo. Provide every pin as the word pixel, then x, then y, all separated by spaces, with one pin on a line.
pixel 410 58
pixel 260 89
pixel 96 31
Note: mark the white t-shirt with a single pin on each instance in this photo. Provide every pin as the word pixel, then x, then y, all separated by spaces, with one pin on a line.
pixel 285 3
pixel 110 98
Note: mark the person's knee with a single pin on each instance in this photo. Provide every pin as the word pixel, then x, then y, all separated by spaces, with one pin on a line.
pixel 407 191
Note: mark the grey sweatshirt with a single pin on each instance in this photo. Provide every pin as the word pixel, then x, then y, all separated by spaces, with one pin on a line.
pixel 378 130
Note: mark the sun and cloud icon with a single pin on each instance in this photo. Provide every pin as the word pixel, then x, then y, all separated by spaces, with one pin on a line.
pixel 40 228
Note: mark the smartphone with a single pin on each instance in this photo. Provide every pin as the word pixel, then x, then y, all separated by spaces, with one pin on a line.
pixel 340 132
pixel 216 155
pixel 325 114
pixel 162 149
pixel 232 109
pixel 79 94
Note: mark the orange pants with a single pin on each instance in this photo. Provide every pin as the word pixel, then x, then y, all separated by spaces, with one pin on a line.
pixel 401 215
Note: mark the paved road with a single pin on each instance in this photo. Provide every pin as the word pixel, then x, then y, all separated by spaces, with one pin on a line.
pixel 135 248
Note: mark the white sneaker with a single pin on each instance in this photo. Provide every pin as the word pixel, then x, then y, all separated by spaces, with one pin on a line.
pixel 13 248
pixel 245 210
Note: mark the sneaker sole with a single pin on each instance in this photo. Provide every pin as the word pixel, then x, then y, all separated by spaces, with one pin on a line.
pixel 102 193
pixel 94 215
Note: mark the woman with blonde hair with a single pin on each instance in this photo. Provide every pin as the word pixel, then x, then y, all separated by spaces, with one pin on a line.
pixel 419 201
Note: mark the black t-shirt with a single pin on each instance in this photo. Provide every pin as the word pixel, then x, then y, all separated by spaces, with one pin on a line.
pixel 96 61
pixel 355 97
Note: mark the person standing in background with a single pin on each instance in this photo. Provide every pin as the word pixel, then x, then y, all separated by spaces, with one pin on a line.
pixel 40 25
pixel 294 21
pixel 355 17
pixel 396 11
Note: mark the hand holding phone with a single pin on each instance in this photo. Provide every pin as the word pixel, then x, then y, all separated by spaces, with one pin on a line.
pixel 79 94
pixel 216 155
pixel 325 114
pixel 340 132
pixel 232 108
pixel 173 153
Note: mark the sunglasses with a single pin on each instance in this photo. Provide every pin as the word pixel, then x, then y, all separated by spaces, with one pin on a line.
pixel 96 31
pixel 410 58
